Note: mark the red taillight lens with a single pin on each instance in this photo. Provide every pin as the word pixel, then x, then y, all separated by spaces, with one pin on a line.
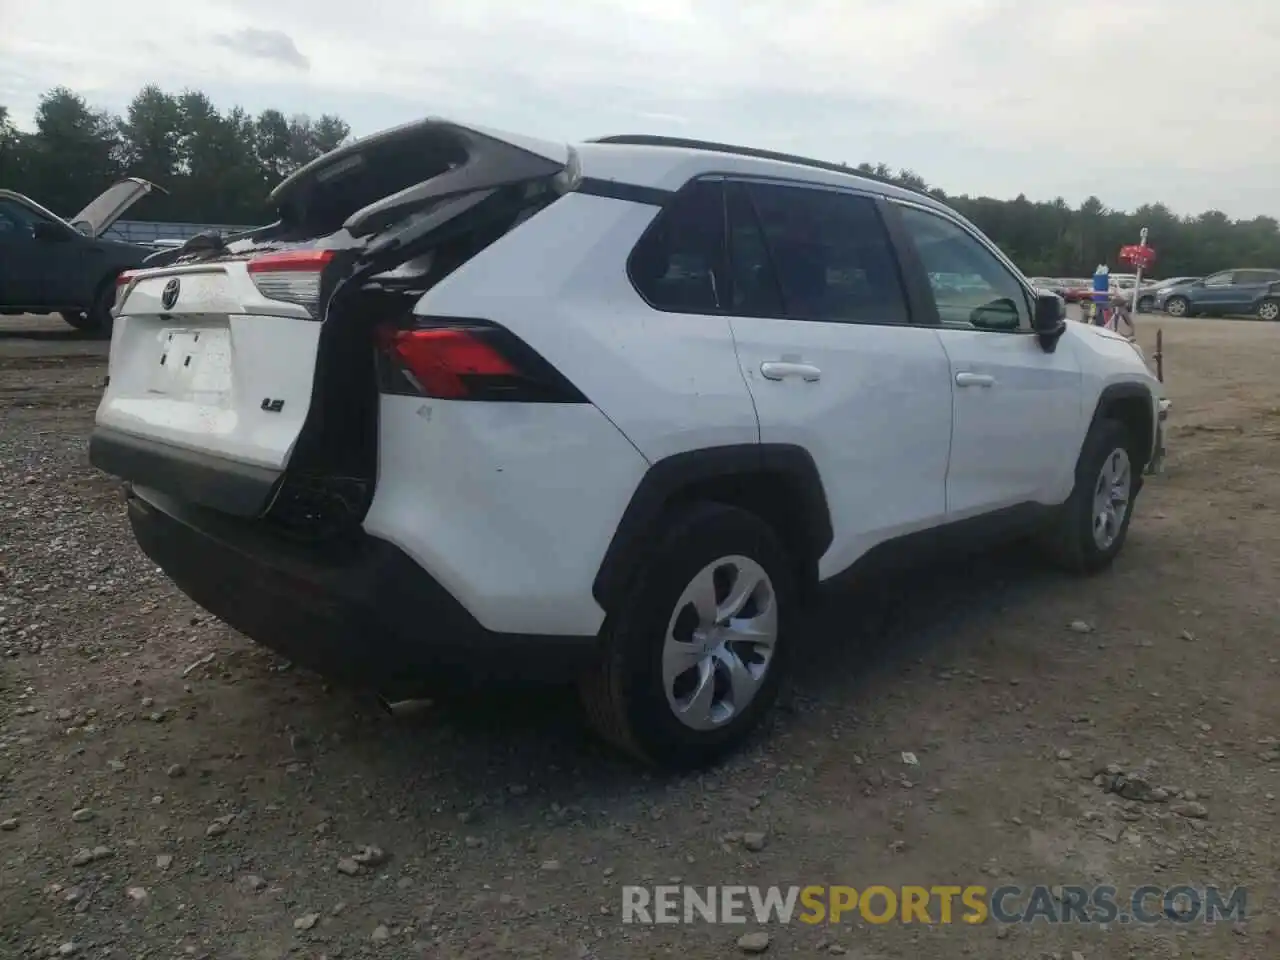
pixel 439 361
pixel 291 276
pixel 123 282
pixel 468 360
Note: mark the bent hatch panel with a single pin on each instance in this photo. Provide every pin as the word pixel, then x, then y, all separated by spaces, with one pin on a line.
pixel 371 183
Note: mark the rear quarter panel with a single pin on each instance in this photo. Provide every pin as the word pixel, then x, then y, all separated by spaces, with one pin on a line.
pixel 509 506
pixel 513 506
pixel 670 382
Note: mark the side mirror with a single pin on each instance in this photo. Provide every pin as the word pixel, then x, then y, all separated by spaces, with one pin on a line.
pixel 49 232
pixel 1001 314
pixel 1049 319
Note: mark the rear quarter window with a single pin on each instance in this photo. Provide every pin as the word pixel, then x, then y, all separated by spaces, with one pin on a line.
pixel 679 263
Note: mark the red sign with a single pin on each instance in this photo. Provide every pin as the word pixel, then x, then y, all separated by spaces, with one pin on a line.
pixel 1138 255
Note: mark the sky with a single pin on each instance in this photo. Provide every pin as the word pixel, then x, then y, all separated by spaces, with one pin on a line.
pixel 1174 101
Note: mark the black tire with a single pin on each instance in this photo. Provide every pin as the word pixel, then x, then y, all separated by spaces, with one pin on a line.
pixel 97 321
pixel 77 319
pixel 1070 541
pixel 1269 309
pixel 624 696
pixel 1145 304
pixel 1177 307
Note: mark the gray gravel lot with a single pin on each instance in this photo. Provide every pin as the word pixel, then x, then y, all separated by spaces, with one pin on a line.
pixel 169 790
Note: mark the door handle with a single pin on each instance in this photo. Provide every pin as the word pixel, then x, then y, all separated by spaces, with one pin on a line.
pixel 975 380
pixel 781 369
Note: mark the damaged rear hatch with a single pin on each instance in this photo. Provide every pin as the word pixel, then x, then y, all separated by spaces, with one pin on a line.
pixel 218 358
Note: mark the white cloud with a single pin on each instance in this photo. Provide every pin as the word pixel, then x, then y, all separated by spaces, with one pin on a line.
pixel 267 44
pixel 1147 100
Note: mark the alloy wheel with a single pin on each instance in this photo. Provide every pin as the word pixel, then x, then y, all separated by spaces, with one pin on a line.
pixel 720 642
pixel 1111 498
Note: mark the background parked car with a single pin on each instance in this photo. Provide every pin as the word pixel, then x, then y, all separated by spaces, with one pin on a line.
pixel 1242 291
pixel 1074 290
pixel 1158 290
pixel 1049 285
pixel 51 265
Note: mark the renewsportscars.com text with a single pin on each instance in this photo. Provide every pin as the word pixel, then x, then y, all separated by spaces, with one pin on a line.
pixel 943 904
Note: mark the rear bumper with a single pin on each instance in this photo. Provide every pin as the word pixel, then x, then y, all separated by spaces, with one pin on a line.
pixel 228 487
pixel 365 614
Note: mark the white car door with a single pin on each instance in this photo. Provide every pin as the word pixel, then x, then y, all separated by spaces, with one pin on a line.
pixel 821 324
pixel 1017 404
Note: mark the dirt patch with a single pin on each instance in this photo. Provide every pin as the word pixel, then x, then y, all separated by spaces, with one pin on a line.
pixel 169 790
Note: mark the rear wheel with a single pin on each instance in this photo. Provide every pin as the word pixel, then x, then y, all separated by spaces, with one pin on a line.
pixel 1269 309
pixel 694 655
pixel 97 320
pixel 1092 525
pixel 1177 307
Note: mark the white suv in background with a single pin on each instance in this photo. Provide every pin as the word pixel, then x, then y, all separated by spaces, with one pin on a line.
pixel 486 407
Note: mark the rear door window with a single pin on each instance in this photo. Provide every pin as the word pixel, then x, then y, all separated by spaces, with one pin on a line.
pixel 829 254
pixel 679 263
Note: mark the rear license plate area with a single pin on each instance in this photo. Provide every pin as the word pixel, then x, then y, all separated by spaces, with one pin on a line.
pixel 193 362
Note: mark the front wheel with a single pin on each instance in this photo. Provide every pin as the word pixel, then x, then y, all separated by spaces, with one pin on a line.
pixel 1269 309
pixel 1092 525
pixel 693 657
pixel 1177 307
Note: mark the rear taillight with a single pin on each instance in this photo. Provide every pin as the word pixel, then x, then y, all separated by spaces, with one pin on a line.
pixel 467 360
pixel 291 276
pixel 123 282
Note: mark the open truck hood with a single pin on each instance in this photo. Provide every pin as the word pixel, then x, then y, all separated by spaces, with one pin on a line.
pixel 373 182
pixel 110 205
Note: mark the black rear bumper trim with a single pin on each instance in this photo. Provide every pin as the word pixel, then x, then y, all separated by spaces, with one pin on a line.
pixel 239 489
pixel 363 614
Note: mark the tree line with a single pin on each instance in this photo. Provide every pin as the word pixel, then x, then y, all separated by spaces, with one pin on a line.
pixel 219 165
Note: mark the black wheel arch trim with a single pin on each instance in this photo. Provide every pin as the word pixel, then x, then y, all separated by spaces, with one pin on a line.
pixel 665 481
pixel 1127 391
pixel 1123 391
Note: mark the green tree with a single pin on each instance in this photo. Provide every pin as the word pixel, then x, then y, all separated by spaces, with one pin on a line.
pixel 74 154
pixel 150 137
pixel 223 180
pixel 273 141
pixel 220 165
pixel 11 149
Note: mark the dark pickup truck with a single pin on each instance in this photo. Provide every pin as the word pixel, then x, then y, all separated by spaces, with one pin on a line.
pixel 51 265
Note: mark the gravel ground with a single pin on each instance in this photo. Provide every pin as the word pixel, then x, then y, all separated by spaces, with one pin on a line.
pixel 169 790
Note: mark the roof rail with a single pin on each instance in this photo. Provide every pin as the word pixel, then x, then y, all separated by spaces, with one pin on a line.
pixel 653 140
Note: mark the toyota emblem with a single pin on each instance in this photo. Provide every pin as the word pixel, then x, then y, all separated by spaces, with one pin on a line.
pixel 170 295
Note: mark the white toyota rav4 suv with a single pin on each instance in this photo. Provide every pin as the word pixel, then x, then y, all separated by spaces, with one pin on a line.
pixel 483 406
